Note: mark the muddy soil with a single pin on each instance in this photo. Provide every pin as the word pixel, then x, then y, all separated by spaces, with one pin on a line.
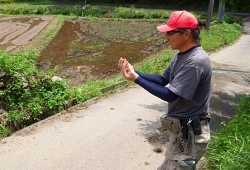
pixel 84 48
pixel 90 48
pixel 18 31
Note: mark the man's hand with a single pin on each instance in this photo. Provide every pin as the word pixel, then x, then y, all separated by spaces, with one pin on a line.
pixel 127 70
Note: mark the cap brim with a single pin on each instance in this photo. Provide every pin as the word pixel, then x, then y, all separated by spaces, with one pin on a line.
pixel 165 28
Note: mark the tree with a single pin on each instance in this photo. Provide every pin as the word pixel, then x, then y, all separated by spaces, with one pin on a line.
pixel 221 11
pixel 238 5
pixel 209 13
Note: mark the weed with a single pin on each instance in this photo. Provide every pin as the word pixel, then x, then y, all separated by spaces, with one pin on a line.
pixel 93 12
pixel 4 131
pixel 212 39
pixel 230 147
pixel 40 97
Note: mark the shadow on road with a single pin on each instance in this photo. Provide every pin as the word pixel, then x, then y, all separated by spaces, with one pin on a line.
pixel 222 109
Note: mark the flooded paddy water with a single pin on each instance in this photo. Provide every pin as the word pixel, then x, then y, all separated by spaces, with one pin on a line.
pixel 17 31
pixel 90 48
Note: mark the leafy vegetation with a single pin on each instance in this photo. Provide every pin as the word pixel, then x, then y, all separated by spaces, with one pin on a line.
pixel 212 39
pixel 27 9
pixel 238 5
pixel 100 12
pixel 44 2
pixel 230 147
pixel 231 5
pixel 28 95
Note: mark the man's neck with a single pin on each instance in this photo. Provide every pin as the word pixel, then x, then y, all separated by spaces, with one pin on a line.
pixel 187 46
pixel 190 49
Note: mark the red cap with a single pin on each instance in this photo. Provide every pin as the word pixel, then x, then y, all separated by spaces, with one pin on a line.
pixel 179 19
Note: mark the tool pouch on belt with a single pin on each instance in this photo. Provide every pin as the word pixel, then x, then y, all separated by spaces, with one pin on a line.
pixel 196 125
pixel 171 124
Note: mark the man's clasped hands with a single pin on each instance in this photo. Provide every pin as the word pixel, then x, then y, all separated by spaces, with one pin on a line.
pixel 127 70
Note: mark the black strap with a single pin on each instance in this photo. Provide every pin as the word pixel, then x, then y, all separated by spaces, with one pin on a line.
pixel 184 126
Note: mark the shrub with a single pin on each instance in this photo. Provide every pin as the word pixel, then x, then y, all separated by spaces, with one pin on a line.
pixel 93 12
pixel 29 95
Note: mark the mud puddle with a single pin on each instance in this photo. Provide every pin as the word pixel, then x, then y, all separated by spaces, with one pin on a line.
pixel 16 32
pixel 90 48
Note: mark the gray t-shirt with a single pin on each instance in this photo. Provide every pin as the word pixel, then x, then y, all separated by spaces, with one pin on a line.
pixel 189 74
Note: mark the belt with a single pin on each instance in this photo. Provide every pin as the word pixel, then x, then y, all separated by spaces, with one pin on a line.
pixel 204 122
pixel 206 118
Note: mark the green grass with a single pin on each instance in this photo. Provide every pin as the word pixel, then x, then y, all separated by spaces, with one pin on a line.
pixel 4 131
pixel 229 148
pixel 37 9
pixel 44 2
pixel 100 12
pixel 212 39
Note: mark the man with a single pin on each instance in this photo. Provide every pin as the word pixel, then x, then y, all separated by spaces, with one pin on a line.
pixel 188 95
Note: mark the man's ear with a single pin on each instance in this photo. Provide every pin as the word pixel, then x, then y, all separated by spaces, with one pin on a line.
pixel 187 34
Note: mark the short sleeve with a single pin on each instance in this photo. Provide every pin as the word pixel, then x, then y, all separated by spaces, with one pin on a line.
pixel 186 82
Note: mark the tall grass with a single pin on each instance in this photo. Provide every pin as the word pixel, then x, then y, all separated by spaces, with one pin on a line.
pixel 229 148
pixel 212 39
pixel 134 13
pixel 27 9
pixel 44 2
pixel 101 12
pixel 28 95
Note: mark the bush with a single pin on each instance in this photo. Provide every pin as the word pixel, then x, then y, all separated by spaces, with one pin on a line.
pixel 41 10
pixel 64 10
pixel 134 13
pixel 93 12
pixel 28 95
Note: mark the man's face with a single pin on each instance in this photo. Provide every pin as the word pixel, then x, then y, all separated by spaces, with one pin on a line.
pixel 177 39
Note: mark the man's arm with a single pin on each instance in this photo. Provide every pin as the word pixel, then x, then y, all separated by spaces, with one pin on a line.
pixel 154 78
pixel 159 91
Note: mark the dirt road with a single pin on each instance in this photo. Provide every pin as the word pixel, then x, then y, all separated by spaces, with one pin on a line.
pixel 118 132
